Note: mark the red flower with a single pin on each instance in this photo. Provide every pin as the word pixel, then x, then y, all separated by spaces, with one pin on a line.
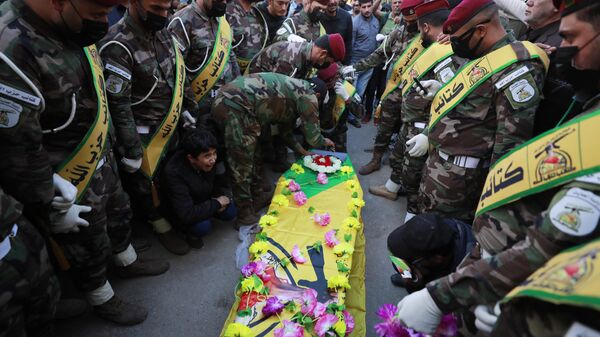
pixel 322 160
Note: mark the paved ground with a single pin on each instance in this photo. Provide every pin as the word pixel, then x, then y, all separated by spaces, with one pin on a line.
pixel 193 298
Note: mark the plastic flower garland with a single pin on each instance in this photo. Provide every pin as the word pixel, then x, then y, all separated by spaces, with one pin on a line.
pixel 322 164
pixel 392 327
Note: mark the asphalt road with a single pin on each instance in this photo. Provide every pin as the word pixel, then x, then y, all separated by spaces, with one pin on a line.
pixel 194 297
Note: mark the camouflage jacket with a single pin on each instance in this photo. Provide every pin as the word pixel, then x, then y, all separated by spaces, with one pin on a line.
pixel 61 72
pixel 274 98
pixel 288 58
pixel 196 34
pixel 249 30
pixel 301 25
pixel 10 212
pixel 140 77
pixel 389 50
pixel 491 121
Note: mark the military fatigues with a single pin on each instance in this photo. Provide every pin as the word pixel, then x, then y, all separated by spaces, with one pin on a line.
pixel 197 37
pixel 62 73
pixel 407 170
pixel 288 58
pixel 249 32
pixel 479 130
pixel 300 24
pixel 245 105
pixel 30 290
pixel 140 79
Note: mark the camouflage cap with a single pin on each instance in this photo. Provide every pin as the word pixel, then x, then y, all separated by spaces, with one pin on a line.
pixel 567 7
pixel 464 12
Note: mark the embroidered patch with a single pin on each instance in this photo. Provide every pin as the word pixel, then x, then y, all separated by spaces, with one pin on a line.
pixel 19 95
pixel 522 91
pixel 446 75
pixel 114 84
pixel 118 71
pixel 281 31
pixel 577 213
pixel 511 77
pixel 10 113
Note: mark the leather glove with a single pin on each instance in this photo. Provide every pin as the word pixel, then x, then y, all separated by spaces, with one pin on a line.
pixel 486 317
pixel 70 221
pixel 295 38
pixel 66 193
pixel 432 87
pixel 421 144
pixel 189 122
pixel 341 91
pixel 418 311
pixel 380 37
pixel 131 165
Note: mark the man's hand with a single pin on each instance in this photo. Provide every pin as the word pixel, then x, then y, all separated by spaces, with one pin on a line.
pixel 224 201
pixel 547 48
pixel 486 317
pixel 420 147
pixel 131 165
pixel 67 222
pixel 189 122
pixel 295 38
pixel 418 311
pixel 348 72
pixel 443 38
pixel 380 37
pixel 329 142
pixel 65 193
pixel 341 91
pixel 432 87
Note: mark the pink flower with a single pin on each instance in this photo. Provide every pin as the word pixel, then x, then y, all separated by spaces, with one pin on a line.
pixel 448 327
pixel 319 310
pixel 330 239
pixel 297 255
pixel 349 321
pixel 390 329
pixel 300 198
pixel 387 312
pixel 322 219
pixel 309 301
pixel 293 186
pixel 248 269
pixel 273 306
pixel 322 178
pixel 289 329
pixel 260 269
pixel 325 323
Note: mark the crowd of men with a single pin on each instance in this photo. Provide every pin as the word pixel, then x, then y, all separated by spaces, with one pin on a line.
pixel 165 117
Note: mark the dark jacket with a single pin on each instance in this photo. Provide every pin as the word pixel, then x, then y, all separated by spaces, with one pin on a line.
pixel 464 240
pixel 189 193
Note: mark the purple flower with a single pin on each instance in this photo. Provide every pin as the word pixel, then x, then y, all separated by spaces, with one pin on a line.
pixel 387 312
pixel 330 239
pixel 390 329
pixel 300 198
pixel 293 186
pixel 322 219
pixel 325 323
pixel 319 310
pixel 272 306
pixel 322 178
pixel 448 327
pixel 297 255
pixel 248 269
pixel 289 329
pixel 309 301
pixel 349 321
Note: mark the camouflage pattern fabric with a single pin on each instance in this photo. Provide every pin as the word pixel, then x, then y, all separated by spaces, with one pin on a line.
pixel 389 122
pixel 288 58
pixel 300 24
pixel 249 30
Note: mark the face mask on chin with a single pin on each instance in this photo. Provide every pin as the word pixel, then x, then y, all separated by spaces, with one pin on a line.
pixel 152 22
pixel 412 27
pixel 579 78
pixel 217 9
pixel 91 31
pixel 460 45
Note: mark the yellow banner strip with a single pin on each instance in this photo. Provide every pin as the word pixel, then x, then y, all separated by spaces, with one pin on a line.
pixel 427 60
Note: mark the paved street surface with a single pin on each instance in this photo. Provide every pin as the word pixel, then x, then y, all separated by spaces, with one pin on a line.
pixel 194 297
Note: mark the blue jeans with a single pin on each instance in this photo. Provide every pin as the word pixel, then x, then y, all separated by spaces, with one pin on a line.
pixel 203 227
pixel 362 81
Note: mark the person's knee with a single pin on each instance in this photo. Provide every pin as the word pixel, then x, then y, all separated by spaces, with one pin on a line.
pixel 201 228
pixel 229 213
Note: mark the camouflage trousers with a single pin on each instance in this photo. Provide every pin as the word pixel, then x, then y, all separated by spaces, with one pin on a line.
pixel 88 250
pixel 390 119
pixel 450 190
pixel 30 289
pixel 411 170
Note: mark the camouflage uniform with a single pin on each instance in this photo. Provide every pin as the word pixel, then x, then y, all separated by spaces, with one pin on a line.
pixel 485 125
pixel 288 58
pixel 407 170
pixel 140 78
pixel 300 24
pixel 30 290
pixel 249 31
pixel 61 72
pixel 243 106
pixel 197 40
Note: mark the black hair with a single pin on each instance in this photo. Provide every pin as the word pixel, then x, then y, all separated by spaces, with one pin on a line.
pixel 436 18
pixel 364 1
pixel 590 14
pixel 199 141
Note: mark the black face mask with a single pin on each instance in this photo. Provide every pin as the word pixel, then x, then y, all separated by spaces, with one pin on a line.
pixel 580 79
pixel 325 65
pixel 218 9
pixel 151 21
pixel 412 27
pixel 460 44
pixel 426 41
pixel 90 32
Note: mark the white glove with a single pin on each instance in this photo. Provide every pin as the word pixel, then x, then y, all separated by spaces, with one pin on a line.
pixel 66 193
pixel 189 122
pixel 421 145
pixel 326 99
pixel 131 165
pixel 418 311
pixel 348 71
pixel 69 221
pixel 341 91
pixel 380 37
pixel 486 317
pixel 432 87
pixel 295 38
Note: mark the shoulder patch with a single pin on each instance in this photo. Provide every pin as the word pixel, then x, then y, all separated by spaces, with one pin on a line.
pixel 114 84
pixel 577 213
pixel 19 95
pixel 10 113
pixel 590 179
pixel 511 77
pixel 521 92
pixel 281 31
pixel 117 70
pixel 446 74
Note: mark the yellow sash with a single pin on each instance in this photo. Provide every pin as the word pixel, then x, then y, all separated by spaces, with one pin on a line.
pixel 427 60
pixel 154 150
pixel 571 277
pixel 340 105
pixel 476 72
pixel 410 55
pixel 80 167
pixel 214 67
pixel 550 159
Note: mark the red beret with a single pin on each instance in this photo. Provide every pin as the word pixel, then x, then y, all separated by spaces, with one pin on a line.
pixel 109 2
pixel 567 7
pixel 464 12
pixel 327 73
pixel 407 7
pixel 431 7
pixel 334 44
